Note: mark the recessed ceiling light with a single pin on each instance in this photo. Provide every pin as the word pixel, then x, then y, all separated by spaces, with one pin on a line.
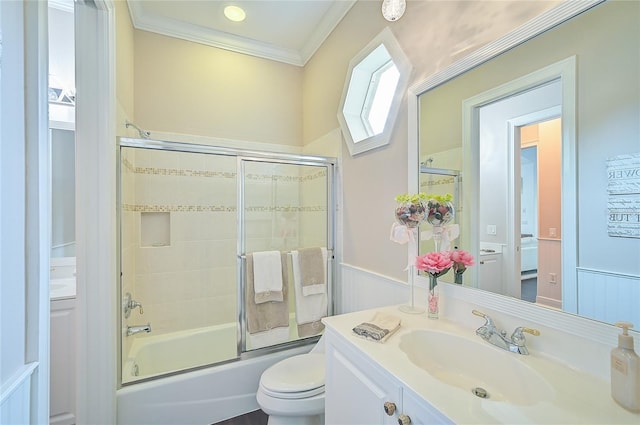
pixel 234 13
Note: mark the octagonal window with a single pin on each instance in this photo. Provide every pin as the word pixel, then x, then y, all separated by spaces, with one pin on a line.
pixel 376 81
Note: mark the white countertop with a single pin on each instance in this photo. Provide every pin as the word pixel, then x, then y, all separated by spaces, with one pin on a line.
pixel 63 288
pixel 579 398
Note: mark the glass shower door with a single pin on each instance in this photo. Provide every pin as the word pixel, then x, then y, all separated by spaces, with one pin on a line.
pixel 283 222
pixel 178 267
pixel 192 218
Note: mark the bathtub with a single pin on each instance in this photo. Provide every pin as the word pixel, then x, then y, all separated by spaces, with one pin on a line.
pixel 528 255
pixel 157 354
pixel 203 396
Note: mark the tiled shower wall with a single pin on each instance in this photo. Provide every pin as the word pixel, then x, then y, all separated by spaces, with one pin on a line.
pixel 189 281
pixel 314 195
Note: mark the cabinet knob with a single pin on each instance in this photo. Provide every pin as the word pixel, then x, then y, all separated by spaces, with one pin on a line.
pixel 404 420
pixel 389 408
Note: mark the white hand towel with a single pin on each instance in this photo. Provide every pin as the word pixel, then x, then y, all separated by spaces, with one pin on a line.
pixel 379 328
pixel 267 276
pixel 309 308
pixel 268 315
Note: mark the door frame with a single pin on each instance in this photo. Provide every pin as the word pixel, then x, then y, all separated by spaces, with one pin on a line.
pixel 96 294
pixel 512 274
pixel 565 71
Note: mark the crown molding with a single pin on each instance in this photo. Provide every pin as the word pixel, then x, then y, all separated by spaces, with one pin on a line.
pixel 226 41
pixel 329 22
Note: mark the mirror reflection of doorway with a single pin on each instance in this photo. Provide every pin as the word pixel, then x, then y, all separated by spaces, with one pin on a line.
pixel 540 207
pixel 63 213
pixel 506 124
pixel 528 221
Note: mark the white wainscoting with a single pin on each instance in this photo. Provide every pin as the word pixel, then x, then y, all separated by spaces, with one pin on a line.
pixel 599 290
pixel 16 397
pixel 361 289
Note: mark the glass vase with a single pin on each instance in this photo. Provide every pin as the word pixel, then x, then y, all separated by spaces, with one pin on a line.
pixel 433 299
pixel 437 237
pixel 457 278
pixel 410 214
pixel 411 308
pixel 438 212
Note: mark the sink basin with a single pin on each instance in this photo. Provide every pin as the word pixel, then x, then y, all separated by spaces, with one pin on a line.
pixel 469 364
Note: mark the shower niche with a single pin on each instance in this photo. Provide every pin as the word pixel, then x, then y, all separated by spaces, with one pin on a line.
pixel 191 218
pixel 155 229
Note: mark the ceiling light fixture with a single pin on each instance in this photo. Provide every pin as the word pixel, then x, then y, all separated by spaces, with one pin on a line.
pixel 392 10
pixel 234 13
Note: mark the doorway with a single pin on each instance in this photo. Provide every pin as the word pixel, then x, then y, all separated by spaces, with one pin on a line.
pixel 492 156
pixel 540 208
pixel 62 186
pixel 501 184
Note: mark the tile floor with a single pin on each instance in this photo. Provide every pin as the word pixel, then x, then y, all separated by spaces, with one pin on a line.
pixel 257 417
pixel 529 289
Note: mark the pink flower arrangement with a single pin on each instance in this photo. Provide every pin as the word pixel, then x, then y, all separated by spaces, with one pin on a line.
pixel 439 263
pixel 434 263
pixel 461 260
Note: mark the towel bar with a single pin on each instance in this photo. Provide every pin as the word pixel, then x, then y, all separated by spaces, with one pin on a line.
pixel 244 256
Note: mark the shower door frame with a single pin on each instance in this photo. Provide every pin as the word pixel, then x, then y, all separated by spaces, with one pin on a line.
pixel 329 164
pixel 241 155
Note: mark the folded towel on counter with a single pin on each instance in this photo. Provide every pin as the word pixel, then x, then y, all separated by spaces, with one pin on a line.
pixel 267 276
pixel 311 308
pixel 267 315
pixel 379 328
pixel 313 270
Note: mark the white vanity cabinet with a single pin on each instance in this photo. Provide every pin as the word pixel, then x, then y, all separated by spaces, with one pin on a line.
pixel 357 389
pixel 420 413
pixel 490 271
pixel 62 352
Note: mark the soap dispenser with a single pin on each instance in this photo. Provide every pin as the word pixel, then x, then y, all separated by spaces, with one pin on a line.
pixel 625 371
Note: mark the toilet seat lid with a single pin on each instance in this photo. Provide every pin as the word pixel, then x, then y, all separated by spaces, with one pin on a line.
pixel 303 373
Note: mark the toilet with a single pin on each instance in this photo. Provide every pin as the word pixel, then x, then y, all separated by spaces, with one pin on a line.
pixel 291 391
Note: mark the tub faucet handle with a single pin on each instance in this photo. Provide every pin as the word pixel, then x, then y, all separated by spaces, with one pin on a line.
pixel 130 304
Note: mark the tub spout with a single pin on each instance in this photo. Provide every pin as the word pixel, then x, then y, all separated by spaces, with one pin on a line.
pixel 132 330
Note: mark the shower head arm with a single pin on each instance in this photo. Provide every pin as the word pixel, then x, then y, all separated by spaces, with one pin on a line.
pixel 143 133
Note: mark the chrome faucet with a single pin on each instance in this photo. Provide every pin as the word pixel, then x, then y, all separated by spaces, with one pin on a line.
pixel 132 330
pixel 490 333
pixel 129 304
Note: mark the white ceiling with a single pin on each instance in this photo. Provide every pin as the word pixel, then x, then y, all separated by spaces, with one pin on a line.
pixel 288 31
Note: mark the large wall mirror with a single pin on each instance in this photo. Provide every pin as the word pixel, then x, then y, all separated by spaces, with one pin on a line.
pixel 530 133
pixel 63 184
